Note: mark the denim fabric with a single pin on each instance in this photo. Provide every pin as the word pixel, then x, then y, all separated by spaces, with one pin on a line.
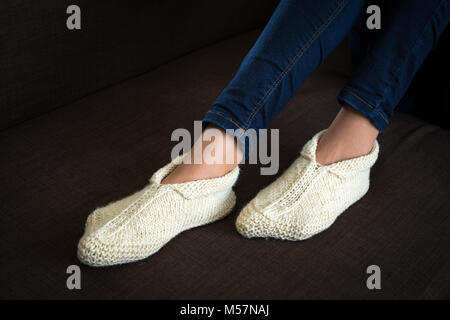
pixel 385 61
pixel 302 33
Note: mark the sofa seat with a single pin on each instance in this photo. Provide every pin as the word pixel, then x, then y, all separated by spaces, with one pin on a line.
pixel 57 168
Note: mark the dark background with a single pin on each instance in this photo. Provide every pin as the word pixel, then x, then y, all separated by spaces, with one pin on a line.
pixel 43 65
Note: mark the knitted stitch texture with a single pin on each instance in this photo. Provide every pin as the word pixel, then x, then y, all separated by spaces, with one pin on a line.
pixel 137 226
pixel 308 197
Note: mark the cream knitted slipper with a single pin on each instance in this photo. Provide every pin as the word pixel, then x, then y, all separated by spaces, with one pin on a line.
pixel 135 227
pixel 308 197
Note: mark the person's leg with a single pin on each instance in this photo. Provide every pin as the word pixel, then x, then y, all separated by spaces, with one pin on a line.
pixel 333 170
pixel 350 135
pixel 340 142
pixel 390 60
pixel 213 164
pixel 295 41
pixel 385 67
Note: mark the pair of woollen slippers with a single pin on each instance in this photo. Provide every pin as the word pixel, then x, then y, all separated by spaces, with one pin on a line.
pixel 305 200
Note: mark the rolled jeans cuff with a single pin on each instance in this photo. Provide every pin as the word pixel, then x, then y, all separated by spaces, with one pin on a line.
pixel 363 106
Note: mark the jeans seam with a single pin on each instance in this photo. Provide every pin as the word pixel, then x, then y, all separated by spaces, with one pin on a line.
pixel 366 103
pixel 294 60
pixel 227 118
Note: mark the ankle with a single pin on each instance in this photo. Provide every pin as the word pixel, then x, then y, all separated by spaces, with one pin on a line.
pixel 213 155
pixel 329 151
pixel 350 135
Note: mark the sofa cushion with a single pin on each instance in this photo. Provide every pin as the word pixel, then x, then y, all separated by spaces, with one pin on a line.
pixel 57 168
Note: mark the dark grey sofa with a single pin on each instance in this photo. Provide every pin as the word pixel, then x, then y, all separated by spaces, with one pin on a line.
pixel 86 118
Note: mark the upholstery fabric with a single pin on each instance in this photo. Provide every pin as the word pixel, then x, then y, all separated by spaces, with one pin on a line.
pixel 44 65
pixel 57 168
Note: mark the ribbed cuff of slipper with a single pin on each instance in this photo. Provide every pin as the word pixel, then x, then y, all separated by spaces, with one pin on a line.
pixel 344 167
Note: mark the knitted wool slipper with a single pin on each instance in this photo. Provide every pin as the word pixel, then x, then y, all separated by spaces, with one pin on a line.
pixel 308 197
pixel 135 227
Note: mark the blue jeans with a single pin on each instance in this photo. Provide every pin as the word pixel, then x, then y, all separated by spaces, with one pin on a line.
pixel 302 33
